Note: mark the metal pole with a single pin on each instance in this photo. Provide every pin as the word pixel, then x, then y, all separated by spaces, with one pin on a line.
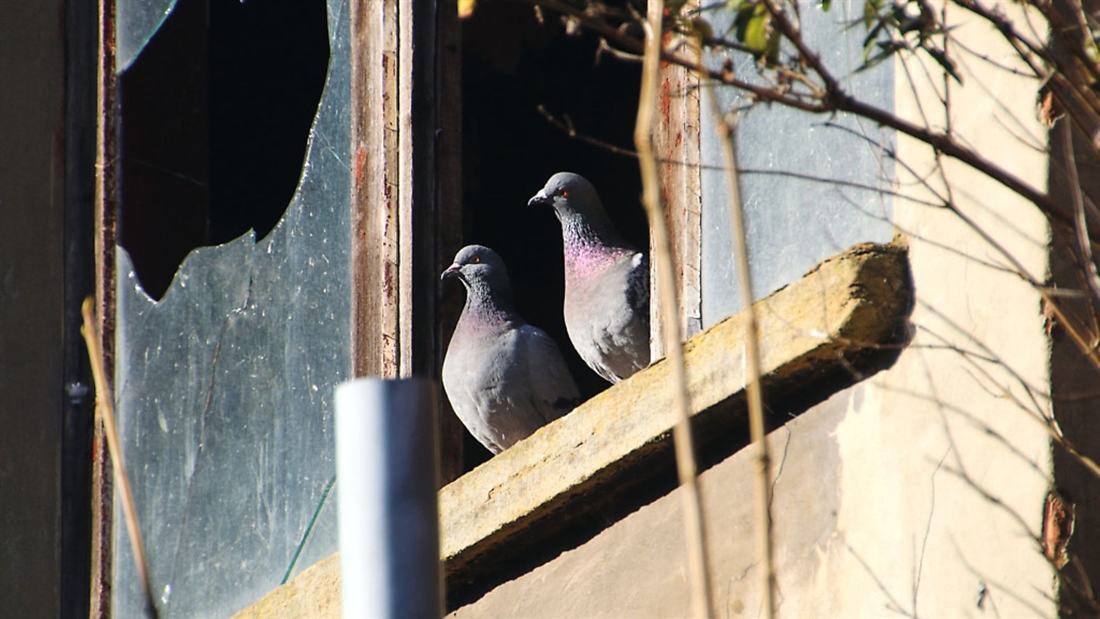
pixel 387 466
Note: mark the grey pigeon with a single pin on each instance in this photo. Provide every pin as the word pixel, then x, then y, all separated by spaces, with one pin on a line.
pixel 606 281
pixel 504 378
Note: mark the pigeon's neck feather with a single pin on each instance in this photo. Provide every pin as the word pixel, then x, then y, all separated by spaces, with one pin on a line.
pixel 585 260
pixel 487 306
pixel 593 229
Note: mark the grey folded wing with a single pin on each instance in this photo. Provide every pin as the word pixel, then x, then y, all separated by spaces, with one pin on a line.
pixel 627 349
pixel 553 390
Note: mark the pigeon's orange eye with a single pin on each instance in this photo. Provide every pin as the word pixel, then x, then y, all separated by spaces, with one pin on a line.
pixel 564 193
pixel 476 260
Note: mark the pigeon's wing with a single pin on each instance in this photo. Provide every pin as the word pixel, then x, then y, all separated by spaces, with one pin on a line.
pixel 467 385
pixel 608 317
pixel 637 286
pixel 626 334
pixel 553 391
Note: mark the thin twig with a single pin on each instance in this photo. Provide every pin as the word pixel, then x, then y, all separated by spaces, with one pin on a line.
pixel 1047 422
pixel 837 101
pixel 1088 265
pixel 107 414
pixel 565 125
pixel 763 498
pixel 651 197
pixel 1072 328
pixel 1076 98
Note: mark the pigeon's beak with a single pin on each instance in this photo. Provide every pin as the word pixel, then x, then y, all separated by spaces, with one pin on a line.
pixel 539 199
pixel 449 271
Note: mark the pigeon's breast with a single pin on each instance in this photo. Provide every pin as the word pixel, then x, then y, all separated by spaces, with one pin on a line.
pixel 609 332
pixel 587 265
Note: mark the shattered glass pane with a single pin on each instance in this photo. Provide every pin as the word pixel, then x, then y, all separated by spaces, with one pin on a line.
pixel 224 391
pixel 135 23
pixel 792 222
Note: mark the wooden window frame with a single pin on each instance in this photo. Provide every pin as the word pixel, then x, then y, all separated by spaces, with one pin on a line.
pixel 404 215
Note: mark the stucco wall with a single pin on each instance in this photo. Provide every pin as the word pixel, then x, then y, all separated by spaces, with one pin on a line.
pixel 918 491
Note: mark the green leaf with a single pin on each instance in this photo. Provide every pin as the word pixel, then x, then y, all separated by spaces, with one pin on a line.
pixel 869 40
pixel 886 50
pixel 752 27
pixel 871 9
pixel 701 28
pixel 755 32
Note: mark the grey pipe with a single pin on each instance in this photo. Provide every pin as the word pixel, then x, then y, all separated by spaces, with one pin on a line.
pixel 387 466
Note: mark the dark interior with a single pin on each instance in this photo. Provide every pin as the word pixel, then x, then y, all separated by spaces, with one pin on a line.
pixel 216 112
pixel 215 115
pixel 512 64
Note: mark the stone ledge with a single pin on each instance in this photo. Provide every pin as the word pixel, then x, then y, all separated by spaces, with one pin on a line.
pixel 848 306
pixel 313 593
pixel 849 303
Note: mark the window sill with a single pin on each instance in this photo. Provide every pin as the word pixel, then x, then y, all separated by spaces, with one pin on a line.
pixel 839 322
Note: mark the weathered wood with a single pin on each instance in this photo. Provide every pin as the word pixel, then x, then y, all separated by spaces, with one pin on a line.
pixel 106 239
pixel 406 190
pixel 408 82
pixel 375 189
pixel 447 232
pixel 404 178
pixel 855 302
pixel 676 142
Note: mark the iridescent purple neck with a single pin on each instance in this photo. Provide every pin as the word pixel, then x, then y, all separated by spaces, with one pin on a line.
pixel 590 243
pixel 585 258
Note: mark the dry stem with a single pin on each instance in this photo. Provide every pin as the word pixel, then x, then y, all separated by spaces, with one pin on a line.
pixel 651 198
pixel 763 496
pixel 107 413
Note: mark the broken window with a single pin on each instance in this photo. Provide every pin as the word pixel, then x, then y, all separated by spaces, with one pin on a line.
pixel 225 368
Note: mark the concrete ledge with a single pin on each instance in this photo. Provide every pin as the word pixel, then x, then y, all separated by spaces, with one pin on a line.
pixel 850 305
pixel 313 593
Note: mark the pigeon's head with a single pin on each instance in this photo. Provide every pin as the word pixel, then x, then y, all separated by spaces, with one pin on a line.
pixel 477 265
pixel 569 194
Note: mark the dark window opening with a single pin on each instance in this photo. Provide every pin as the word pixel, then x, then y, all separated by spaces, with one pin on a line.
pixel 214 121
pixel 512 64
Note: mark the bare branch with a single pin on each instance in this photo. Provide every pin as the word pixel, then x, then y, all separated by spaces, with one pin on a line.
pixel 1078 100
pixel 752 361
pixel 106 412
pixel 702 603
pixel 1083 246
pixel 837 101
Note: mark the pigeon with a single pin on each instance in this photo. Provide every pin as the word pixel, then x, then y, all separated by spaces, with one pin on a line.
pixel 504 378
pixel 606 281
